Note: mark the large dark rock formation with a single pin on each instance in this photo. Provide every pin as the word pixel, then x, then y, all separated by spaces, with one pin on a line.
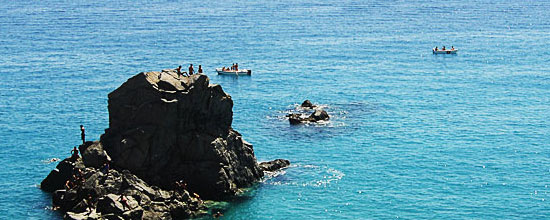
pixel 165 129
pixel 169 144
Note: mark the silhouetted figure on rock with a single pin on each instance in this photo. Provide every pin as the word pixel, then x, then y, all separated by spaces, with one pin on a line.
pixel 82 134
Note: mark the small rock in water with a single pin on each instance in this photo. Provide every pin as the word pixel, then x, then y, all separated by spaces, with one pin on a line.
pixel 274 165
pixel 317 115
pixel 307 104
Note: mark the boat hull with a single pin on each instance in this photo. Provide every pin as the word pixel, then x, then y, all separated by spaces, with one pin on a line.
pixel 444 51
pixel 233 72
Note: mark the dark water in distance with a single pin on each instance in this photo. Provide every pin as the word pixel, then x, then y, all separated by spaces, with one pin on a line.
pixel 412 135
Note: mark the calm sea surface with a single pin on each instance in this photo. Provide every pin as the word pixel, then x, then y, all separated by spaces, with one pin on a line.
pixel 412 135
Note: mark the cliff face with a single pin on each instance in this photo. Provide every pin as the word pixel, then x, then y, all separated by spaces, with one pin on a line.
pixel 165 129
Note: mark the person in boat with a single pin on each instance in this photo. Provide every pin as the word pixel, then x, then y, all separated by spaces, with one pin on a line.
pixel 236 67
pixel 82 134
pixel 200 69
pixel 452 48
pixel 191 70
pixel 436 48
pixel 443 48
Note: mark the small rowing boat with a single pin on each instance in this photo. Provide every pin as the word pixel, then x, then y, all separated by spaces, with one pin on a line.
pixel 233 72
pixel 452 51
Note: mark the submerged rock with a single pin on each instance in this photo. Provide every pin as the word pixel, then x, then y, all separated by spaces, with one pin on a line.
pixel 295 118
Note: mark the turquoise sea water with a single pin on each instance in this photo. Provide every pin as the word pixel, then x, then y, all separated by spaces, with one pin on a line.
pixel 412 135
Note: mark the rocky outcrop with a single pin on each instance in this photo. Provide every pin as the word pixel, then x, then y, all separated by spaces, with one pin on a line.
pixel 298 118
pixel 165 129
pixel 121 195
pixel 93 154
pixel 59 176
pixel 169 144
pixel 274 165
pixel 316 116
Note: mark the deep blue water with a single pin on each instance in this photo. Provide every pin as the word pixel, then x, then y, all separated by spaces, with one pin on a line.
pixel 412 135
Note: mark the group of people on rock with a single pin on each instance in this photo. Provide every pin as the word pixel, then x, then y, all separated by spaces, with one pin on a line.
pixel 234 67
pixel 437 49
pixel 76 180
pixel 191 70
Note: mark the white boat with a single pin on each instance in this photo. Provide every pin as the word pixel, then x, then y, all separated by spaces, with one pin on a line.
pixel 451 51
pixel 234 72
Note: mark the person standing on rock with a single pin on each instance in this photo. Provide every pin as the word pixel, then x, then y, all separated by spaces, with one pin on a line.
pixel 89 201
pixel 200 69
pixel 178 70
pixel 191 70
pixel 82 134
pixel 124 202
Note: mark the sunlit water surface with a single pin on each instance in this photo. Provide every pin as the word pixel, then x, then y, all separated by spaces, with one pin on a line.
pixel 412 135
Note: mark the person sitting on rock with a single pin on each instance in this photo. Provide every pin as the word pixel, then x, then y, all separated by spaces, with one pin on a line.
pixel 106 167
pixel 89 201
pixel 191 70
pixel 74 154
pixel 181 186
pixel 69 185
pixel 200 69
pixel 124 202
pixel 78 176
pixel 82 134
pixel 218 214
